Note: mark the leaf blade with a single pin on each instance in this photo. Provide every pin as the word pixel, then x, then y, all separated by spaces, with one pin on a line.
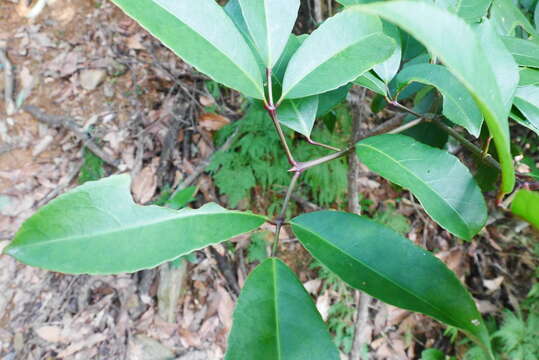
pixel 360 258
pixel 98 229
pixel 429 25
pixel 200 25
pixel 322 63
pixel 431 175
pixel 458 106
pixel 275 318
pixel 526 205
pixel 299 114
pixel 270 23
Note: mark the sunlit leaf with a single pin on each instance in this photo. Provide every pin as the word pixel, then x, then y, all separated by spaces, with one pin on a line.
pixel 98 229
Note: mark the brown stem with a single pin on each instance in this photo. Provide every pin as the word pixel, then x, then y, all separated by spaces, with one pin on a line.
pixel 325 146
pixel 272 112
pixel 282 216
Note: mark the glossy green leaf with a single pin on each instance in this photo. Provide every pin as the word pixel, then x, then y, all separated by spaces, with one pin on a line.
pixel 327 101
pixel 275 319
pixel 299 114
pixel 388 69
pixel 526 205
pixel 458 106
pixel 527 102
pixel 507 17
pixel 202 34
pixel 473 10
pixel 429 24
pixel 233 10
pixel 525 52
pixel 371 82
pixel 341 49
pixel 375 259
pixel 294 42
pixel 270 23
pixel 502 62
pixel 519 118
pixel 98 229
pixel 529 77
pixel 444 186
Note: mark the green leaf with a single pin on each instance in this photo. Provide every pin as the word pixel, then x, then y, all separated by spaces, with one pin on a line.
pixel 202 34
pixel 526 205
pixel 388 69
pixel 473 10
pixel 429 24
pixel 525 52
pixel 233 10
pixel 371 82
pixel 373 258
pixel 444 186
pixel 459 106
pixel 270 23
pixel 341 49
pixel 294 42
pixel 527 102
pixel 92 167
pixel 299 114
pixel 529 77
pixel 507 17
pixel 328 100
pixel 98 229
pixel 275 319
pixel 182 198
pixel 502 62
pixel 432 354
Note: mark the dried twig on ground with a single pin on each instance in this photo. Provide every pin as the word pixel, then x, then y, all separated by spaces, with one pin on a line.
pixel 204 164
pixel 227 270
pixel 9 81
pixel 67 122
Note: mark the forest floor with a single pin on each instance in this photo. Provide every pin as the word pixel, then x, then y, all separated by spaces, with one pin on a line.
pixel 119 92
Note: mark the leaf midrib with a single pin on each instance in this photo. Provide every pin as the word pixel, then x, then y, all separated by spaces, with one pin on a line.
pixel 421 181
pixel 382 275
pixel 276 309
pixel 121 229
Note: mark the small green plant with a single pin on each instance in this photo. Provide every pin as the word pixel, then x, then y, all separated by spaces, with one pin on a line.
pixel 477 55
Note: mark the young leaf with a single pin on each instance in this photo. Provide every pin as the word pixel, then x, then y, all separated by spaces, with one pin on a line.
pixel 525 52
pixel 371 82
pixel 270 23
pixel 275 319
pixel 526 205
pixel 388 69
pixel 373 258
pixel 299 114
pixel 203 35
pixel 98 229
pixel 527 102
pixel 341 49
pixel 429 24
pixel 459 106
pixel 444 186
